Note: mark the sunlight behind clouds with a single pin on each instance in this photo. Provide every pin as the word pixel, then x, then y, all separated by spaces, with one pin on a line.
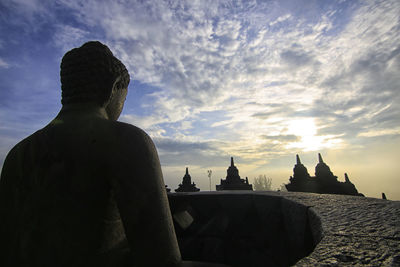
pixel 309 140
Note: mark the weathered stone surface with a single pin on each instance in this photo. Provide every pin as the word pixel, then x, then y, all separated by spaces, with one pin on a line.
pixel 357 231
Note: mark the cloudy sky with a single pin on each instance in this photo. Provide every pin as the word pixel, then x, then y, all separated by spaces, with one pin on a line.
pixel 260 81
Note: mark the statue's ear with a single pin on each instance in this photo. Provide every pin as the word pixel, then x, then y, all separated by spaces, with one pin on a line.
pixel 116 83
pixel 111 93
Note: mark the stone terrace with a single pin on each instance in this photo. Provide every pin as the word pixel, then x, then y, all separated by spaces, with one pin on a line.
pixel 357 230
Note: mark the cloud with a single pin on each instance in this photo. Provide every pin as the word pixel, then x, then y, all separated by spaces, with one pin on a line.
pixel 285 138
pixel 177 152
pixel 374 133
pixel 280 19
pixel 171 145
pixel 67 37
pixel 361 92
pixel 4 64
pixel 296 58
pixel 28 15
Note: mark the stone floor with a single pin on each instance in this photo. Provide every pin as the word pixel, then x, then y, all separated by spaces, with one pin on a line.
pixel 357 230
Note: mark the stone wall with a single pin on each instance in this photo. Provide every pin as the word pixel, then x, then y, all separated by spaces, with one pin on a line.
pixel 243 228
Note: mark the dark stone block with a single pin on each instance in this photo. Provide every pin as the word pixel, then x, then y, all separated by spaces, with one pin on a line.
pixel 183 219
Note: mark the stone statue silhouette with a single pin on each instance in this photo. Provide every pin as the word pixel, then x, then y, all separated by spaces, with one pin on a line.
pixel 87 190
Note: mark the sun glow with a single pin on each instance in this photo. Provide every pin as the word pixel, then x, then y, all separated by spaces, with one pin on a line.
pixel 309 140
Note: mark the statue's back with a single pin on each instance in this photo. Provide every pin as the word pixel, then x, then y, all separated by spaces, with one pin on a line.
pixel 57 200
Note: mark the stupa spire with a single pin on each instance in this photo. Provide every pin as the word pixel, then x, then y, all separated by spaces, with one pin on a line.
pixel 346 178
pixel 232 164
pixel 298 162
pixel 320 158
pixel 187 171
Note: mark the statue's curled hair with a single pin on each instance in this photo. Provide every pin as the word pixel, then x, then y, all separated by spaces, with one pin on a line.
pixel 89 72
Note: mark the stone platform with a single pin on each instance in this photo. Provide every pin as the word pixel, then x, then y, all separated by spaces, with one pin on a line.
pixel 357 230
pixel 283 228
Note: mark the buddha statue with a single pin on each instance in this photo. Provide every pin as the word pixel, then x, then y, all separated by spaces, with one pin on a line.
pixel 87 190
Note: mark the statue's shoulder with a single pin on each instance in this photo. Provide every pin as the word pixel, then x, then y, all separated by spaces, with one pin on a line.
pixel 129 130
pixel 132 145
pixel 20 153
pixel 130 135
pixel 24 144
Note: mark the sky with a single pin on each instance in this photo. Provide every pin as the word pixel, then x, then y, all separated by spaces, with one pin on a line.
pixel 260 81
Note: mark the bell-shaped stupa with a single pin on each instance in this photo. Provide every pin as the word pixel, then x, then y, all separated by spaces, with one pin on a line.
pixel 187 185
pixel 233 180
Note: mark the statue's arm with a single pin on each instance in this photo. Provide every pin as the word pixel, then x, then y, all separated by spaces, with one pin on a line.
pixel 142 202
pixel 8 210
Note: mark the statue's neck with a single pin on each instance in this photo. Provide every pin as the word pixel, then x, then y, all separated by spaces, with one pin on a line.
pixel 82 110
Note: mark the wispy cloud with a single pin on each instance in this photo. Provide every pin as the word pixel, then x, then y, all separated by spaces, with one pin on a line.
pixel 306 69
pixel 67 37
pixel 4 64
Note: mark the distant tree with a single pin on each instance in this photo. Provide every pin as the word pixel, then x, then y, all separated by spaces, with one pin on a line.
pixel 262 183
pixel 283 188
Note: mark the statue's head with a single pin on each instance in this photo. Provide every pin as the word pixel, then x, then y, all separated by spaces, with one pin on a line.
pixel 91 74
